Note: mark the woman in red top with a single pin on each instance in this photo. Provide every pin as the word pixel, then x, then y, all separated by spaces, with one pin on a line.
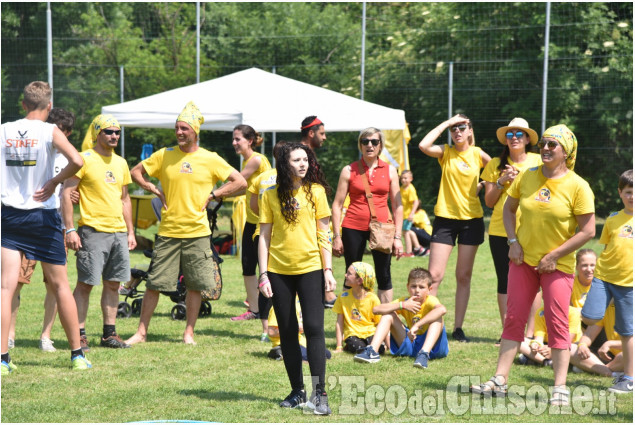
pixel 383 180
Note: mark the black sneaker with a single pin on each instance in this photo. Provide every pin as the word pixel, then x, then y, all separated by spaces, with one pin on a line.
pixel 459 335
pixel 297 398
pixel 113 341
pixel 330 304
pixel 320 403
pixel 275 353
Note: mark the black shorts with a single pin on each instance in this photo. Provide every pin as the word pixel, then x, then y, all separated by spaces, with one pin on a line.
pixel 468 232
pixel 249 254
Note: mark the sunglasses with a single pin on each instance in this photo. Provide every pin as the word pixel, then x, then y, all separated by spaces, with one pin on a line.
pixel 365 142
pixel 111 132
pixel 460 127
pixel 550 144
pixel 511 135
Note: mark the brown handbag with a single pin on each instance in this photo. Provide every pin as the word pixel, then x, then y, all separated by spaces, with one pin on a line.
pixel 382 235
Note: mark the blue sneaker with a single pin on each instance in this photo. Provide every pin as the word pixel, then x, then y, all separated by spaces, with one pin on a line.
pixel 369 355
pixel 80 363
pixel 621 385
pixel 8 368
pixel 422 360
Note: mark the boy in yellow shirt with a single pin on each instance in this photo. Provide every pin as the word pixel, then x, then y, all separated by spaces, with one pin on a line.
pixel 356 319
pixel 423 336
pixel 614 279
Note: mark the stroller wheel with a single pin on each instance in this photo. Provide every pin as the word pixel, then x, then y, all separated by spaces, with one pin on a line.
pixel 124 310
pixel 136 307
pixel 206 309
pixel 178 312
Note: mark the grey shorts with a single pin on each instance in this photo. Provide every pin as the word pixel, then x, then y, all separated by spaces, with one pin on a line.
pixel 102 256
pixel 193 256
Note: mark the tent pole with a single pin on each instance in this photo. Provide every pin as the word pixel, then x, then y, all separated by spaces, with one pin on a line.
pixel 363 49
pixel 123 137
pixel 49 46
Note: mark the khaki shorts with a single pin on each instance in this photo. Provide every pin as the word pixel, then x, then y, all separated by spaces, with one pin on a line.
pixel 192 256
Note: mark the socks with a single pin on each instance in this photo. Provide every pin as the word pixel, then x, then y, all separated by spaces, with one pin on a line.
pixel 109 330
pixel 82 332
pixel 6 357
pixel 75 353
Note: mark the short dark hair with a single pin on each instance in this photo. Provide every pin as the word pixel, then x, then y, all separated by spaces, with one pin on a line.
pixel 626 179
pixel 419 273
pixel 63 119
pixel 308 120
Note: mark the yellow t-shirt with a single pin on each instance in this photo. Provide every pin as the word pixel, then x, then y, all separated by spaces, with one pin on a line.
pixel 548 209
pixel 575 324
pixel 258 186
pixel 608 322
pixel 294 249
pixel 101 184
pixel 408 197
pixel 252 217
pixel 491 173
pixel 615 264
pixel 272 322
pixel 579 293
pixel 422 221
pixel 459 177
pixel 187 180
pixel 359 319
pixel 411 318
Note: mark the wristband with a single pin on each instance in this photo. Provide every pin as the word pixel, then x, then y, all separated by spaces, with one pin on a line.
pixel 339 347
pixel 580 344
pixel 401 305
pixel 263 283
pixel 328 268
pixel 214 196
pixel 397 237
pixel 532 342
pixel 262 274
pixel 72 229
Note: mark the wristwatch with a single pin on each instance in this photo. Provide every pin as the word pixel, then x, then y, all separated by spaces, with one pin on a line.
pixel 511 241
pixel 499 186
pixel 214 196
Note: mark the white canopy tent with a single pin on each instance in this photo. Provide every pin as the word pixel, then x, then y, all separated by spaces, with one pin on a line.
pixel 265 101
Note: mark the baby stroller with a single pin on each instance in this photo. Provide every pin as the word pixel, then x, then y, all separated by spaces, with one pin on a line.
pixel 131 288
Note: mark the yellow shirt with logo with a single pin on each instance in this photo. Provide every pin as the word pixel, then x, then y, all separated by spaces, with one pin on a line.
pixel 102 179
pixel 615 264
pixel 258 186
pixel 579 293
pixel 548 213
pixel 272 322
pixel 294 249
pixel 422 221
pixel 359 319
pixel 608 322
pixel 459 177
pixel 411 318
pixel 252 217
pixel 575 324
pixel 491 173
pixel 408 197
pixel 187 180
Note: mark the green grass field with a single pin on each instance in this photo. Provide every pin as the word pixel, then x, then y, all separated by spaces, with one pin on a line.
pixel 227 377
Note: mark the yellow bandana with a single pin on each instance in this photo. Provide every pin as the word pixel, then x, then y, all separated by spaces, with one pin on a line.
pixel 100 122
pixel 567 140
pixel 192 116
pixel 367 273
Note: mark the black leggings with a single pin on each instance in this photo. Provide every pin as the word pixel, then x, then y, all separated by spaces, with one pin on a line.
pixel 354 242
pixel 310 290
pixel 249 252
pixel 500 255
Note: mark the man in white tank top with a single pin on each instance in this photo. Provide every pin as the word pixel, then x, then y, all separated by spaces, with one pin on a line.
pixel 30 221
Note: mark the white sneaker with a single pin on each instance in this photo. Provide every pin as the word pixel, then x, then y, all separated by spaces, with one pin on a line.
pixel 576 369
pixel 47 345
pixel 11 343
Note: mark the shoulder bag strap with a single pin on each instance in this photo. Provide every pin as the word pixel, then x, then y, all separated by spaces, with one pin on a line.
pixel 369 195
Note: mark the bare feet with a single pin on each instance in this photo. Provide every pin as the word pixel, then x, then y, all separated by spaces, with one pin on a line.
pixel 134 339
pixel 189 339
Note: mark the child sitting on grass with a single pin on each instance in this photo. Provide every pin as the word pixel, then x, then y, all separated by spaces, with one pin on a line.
pixel 274 335
pixel 536 349
pixel 423 336
pixel 356 321
pixel 610 352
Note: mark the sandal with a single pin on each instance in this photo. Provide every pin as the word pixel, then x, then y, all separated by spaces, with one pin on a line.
pixel 559 396
pixel 494 387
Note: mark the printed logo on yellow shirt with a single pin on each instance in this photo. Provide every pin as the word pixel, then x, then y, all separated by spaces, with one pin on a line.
pixel 415 320
pixel 464 165
pixel 356 315
pixel 626 232
pixel 110 177
pixel 544 195
pixel 186 168
pixel 295 204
